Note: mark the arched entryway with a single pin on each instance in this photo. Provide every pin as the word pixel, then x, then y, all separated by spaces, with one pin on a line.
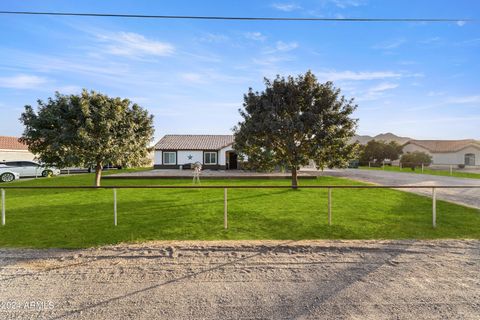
pixel 470 159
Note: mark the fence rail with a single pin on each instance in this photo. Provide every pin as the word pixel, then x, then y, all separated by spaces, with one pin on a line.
pixel 433 188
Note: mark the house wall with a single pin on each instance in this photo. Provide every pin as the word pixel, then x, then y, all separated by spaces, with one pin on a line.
pixel 182 156
pixel 447 158
pixel 12 155
pixel 222 155
pixel 182 159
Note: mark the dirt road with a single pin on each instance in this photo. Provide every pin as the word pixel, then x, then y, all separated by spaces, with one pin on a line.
pixel 247 280
pixel 468 197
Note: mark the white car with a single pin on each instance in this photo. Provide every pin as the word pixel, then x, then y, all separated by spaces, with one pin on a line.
pixel 8 175
pixel 31 169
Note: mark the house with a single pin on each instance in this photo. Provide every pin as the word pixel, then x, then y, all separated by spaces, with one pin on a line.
pixel 11 149
pixel 180 151
pixel 448 152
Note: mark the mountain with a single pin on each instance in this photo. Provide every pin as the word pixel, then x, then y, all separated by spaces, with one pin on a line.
pixel 382 136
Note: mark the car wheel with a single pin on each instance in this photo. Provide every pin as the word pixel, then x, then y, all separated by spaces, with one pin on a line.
pixel 47 173
pixel 7 177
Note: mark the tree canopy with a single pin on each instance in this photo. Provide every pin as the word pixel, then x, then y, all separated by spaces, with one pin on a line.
pixel 90 129
pixel 379 151
pixel 294 120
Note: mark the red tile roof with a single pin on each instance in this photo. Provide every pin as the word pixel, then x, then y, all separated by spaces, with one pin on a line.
pixel 440 146
pixel 194 142
pixel 11 143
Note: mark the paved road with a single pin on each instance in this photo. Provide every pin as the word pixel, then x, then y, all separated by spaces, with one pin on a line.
pixel 244 280
pixel 468 197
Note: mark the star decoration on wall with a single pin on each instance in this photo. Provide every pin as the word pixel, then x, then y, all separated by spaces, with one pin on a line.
pixel 190 157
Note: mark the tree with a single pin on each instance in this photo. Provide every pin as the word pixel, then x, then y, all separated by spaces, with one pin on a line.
pixel 90 129
pixel 379 151
pixel 416 159
pixel 393 150
pixel 294 120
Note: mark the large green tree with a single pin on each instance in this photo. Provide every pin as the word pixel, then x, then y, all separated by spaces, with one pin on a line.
pixel 379 151
pixel 294 120
pixel 90 129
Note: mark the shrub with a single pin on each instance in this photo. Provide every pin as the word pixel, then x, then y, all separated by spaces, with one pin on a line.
pixel 415 159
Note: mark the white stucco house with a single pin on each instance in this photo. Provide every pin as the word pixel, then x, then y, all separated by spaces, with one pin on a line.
pixel 448 152
pixel 180 151
pixel 11 150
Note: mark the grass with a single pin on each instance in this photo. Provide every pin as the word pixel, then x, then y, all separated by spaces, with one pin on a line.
pixel 82 218
pixel 457 174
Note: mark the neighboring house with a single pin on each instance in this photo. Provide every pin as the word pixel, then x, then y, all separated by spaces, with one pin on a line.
pixel 212 151
pixel 448 152
pixel 11 149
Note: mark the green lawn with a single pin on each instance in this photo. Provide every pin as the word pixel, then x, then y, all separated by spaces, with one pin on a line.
pixel 455 172
pixel 83 218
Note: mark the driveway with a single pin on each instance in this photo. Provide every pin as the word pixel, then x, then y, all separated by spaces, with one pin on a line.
pixel 244 280
pixel 468 197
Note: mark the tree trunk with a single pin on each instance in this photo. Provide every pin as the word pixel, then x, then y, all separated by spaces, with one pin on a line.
pixel 98 174
pixel 294 178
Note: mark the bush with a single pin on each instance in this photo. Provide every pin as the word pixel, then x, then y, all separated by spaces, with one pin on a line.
pixel 415 159
pixel 461 166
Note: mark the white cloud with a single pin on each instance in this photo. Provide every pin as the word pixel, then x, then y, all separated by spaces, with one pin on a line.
pixel 383 87
pixel 280 47
pixel 436 93
pixel 376 92
pixel 270 60
pixel 68 89
pixel 257 36
pixel 431 40
pixel 214 37
pixel 287 7
pixel 342 4
pixel 22 81
pixel 357 76
pixel 284 46
pixel 192 77
pixel 463 100
pixel 130 44
pixel 389 45
pixel 436 120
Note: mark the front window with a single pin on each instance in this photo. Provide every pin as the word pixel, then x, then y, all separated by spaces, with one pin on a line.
pixel 169 158
pixel 210 158
pixel 470 159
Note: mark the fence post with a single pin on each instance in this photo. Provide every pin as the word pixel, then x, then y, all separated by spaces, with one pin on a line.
pixel 3 207
pixel 434 207
pixel 451 169
pixel 329 206
pixel 225 212
pixel 115 207
pixel 422 167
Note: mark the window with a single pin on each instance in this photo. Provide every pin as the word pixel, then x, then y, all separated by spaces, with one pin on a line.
pixel 169 158
pixel 210 158
pixel 469 159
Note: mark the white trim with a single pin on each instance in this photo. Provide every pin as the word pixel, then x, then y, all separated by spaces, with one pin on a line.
pixel 210 152
pixel 174 157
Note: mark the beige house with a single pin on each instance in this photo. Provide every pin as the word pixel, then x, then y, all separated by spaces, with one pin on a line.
pixel 448 152
pixel 11 150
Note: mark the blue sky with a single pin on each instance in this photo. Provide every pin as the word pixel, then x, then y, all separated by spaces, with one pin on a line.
pixel 414 79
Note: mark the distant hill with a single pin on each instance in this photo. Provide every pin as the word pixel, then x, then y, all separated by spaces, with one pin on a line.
pixel 382 136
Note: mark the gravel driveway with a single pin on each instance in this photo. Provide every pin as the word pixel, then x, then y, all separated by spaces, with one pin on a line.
pixel 468 197
pixel 248 280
